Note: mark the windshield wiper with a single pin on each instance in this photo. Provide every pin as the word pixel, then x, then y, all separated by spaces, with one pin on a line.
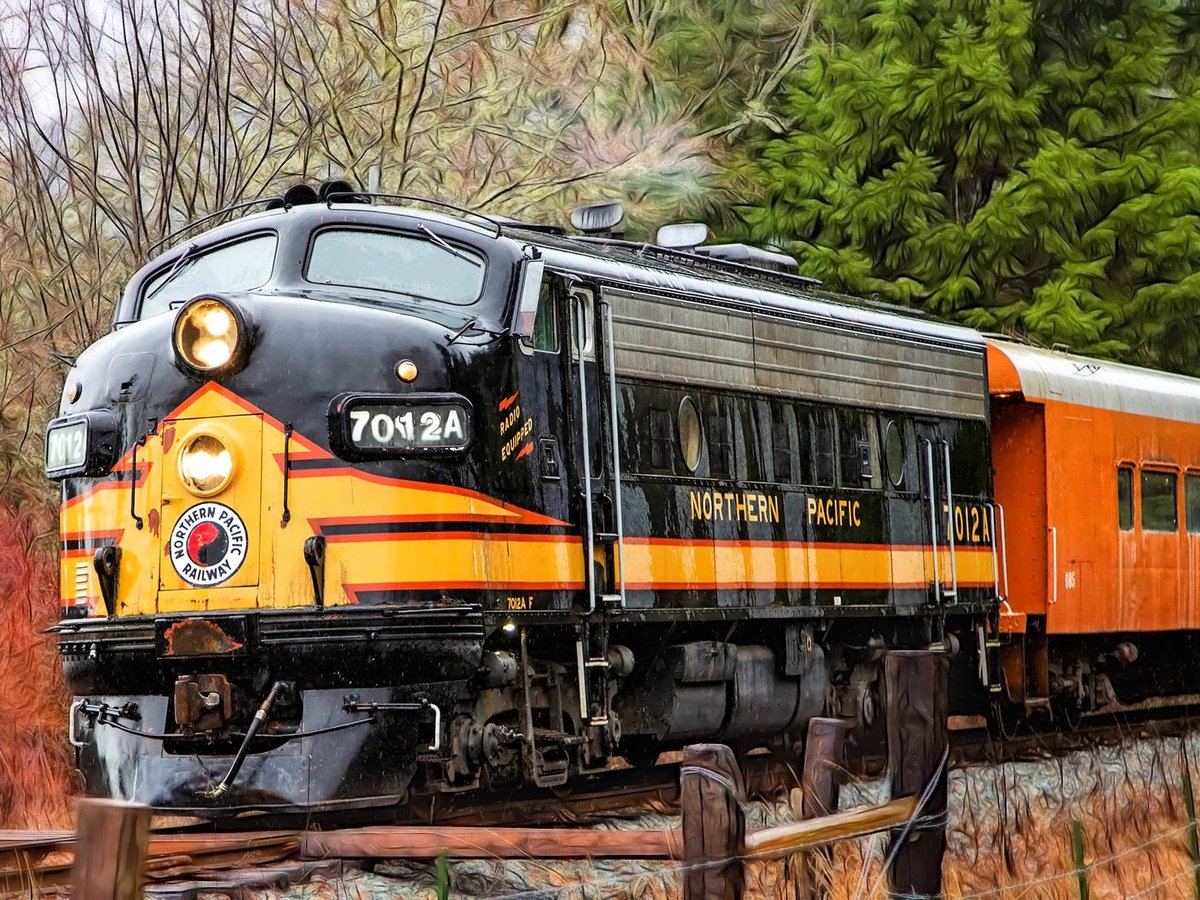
pixel 179 263
pixel 441 243
pixel 472 324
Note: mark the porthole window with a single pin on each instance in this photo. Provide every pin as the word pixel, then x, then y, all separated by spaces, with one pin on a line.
pixel 893 454
pixel 690 433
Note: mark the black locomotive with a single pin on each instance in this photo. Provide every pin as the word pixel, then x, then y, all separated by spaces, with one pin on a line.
pixel 362 502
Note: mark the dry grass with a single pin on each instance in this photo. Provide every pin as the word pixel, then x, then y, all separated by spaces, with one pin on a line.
pixel 1010 827
pixel 35 771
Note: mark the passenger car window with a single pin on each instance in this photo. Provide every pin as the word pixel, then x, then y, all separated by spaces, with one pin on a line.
pixel 400 263
pixel 233 267
pixel 1159 506
pixel 1191 491
pixel 1125 498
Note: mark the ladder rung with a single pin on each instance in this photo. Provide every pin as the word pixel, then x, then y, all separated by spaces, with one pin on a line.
pixel 606 536
pixel 611 599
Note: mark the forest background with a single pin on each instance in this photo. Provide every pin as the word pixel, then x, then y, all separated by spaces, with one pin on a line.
pixel 1024 166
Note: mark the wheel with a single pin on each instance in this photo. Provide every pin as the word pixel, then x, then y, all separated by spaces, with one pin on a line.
pixel 639 752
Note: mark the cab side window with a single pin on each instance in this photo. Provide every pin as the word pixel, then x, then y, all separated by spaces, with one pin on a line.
pixel 1125 498
pixel 545 323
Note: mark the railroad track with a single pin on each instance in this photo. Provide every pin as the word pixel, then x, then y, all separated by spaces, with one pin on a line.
pixel 270 843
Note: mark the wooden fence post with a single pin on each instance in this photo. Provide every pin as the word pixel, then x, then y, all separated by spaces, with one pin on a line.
pixel 111 839
pixel 714 828
pixel 824 767
pixel 915 683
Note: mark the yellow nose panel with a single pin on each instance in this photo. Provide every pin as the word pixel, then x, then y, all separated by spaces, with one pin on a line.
pixel 210 543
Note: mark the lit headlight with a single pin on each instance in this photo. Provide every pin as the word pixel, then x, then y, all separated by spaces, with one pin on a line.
pixel 205 465
pixel 208 334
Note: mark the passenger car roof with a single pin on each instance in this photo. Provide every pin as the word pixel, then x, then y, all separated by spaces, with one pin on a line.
pixel 1049 375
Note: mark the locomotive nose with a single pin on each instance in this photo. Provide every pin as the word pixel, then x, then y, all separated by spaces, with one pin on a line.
pixel 209 510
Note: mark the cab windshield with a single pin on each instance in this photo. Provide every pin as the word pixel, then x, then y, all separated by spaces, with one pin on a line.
pixel 424 266
pixel 233 267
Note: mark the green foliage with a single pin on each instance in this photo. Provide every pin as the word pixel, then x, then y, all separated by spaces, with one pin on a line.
pixel 441 874
pixel 1021 166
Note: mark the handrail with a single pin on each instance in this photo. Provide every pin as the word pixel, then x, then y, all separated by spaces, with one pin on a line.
pixel 589 545
pixel 616 448
pixel 937 575
pixel 1054 558
pixel 183 229
pixel 1003 548
pixel 991 508
pixel 953 592
pixel 353 197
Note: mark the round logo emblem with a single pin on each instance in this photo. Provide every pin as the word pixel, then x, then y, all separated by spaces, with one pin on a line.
pixel 208 544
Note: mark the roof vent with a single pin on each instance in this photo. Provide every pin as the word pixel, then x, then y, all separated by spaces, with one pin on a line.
pixel 751 256
pixel 598 218
pixel 682 236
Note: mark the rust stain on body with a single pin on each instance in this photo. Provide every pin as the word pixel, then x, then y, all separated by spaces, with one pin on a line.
pixel 198 637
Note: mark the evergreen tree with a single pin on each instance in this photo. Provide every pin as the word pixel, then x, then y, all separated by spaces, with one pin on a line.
pixel 1022 166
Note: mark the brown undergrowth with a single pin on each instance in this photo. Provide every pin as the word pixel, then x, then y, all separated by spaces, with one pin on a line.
pixel 1010 831
pixel 36 784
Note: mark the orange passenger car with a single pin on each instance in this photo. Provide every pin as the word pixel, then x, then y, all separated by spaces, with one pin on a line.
pixel 1098 474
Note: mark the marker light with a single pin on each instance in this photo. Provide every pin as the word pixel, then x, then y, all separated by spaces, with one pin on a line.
pixel 205 465
pixel 406 370
pixel 207 334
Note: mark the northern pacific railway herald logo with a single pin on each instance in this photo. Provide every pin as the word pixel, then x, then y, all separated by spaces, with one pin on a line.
pixel 208 544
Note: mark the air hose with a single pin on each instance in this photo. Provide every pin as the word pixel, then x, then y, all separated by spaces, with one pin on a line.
pixel 260 717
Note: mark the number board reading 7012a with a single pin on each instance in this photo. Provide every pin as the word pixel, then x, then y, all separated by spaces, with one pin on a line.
pixel 390 426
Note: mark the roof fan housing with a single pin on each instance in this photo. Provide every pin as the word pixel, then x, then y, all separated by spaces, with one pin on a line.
pixel 751 256
pixel 598 218
pixel 682 235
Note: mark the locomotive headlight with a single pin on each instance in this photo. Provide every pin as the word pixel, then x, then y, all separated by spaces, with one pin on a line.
pixel 205 465
pixel 208 334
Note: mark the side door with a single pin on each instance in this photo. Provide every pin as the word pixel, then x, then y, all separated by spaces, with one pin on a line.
pixel 590 461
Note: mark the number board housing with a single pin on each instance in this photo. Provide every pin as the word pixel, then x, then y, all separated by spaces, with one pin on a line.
pixel 92 449
pixel 382 426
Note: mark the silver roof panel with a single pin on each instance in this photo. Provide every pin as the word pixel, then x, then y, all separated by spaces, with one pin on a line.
pixel 1101 384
